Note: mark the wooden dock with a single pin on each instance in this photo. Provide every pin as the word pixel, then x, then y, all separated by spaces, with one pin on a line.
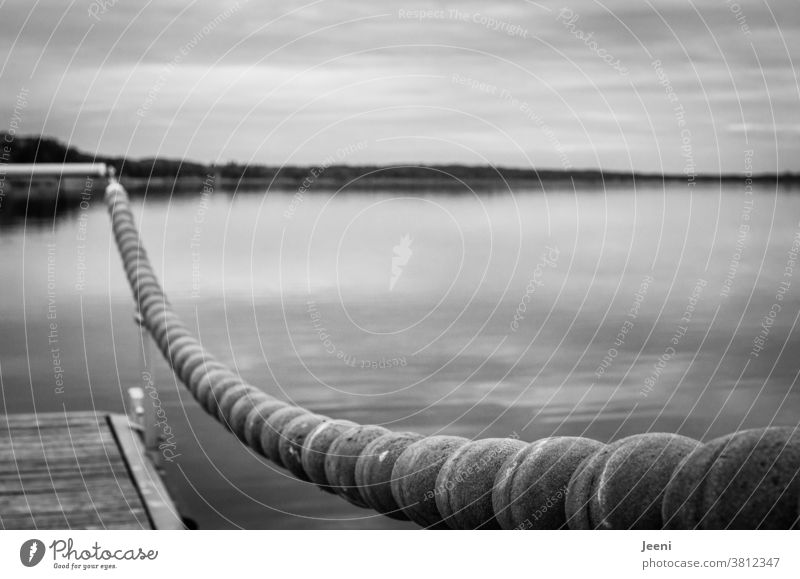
pixel 79 470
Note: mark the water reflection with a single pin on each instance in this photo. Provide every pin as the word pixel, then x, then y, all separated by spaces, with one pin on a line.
pixel 302 303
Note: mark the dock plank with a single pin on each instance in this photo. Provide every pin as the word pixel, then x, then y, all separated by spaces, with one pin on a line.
pixel 80 470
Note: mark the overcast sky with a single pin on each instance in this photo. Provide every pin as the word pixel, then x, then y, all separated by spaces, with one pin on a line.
pixel 507 82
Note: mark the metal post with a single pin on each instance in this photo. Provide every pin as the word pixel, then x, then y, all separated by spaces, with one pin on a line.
pixel 56 169
pixel 136 405
pixel 148 422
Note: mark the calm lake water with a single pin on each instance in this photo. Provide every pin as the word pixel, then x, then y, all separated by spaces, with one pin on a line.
pixel 593 313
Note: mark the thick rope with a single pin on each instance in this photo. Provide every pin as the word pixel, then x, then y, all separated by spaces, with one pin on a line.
pixel 749 479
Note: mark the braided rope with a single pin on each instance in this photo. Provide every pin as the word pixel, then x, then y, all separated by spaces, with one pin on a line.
pixel 749 479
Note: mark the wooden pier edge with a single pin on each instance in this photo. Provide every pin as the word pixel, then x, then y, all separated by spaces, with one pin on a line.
pixel 156 499
pixel 79 470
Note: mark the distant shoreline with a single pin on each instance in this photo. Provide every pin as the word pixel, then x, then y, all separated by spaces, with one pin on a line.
pixel 351 179
pixel 160 175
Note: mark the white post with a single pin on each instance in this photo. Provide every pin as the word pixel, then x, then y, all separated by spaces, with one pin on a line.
pixel 55 169
pixel 151 434
pixel 136 405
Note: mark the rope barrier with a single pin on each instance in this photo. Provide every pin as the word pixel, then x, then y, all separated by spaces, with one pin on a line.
pixel 746 480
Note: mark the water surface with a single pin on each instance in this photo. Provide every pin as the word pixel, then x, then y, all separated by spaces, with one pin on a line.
pixel 595 313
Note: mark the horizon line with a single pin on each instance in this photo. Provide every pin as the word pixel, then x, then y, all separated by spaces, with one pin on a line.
pixel 395 165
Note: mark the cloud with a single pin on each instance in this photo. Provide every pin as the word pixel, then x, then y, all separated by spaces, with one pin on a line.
pixel 289 82
pixel 764 128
